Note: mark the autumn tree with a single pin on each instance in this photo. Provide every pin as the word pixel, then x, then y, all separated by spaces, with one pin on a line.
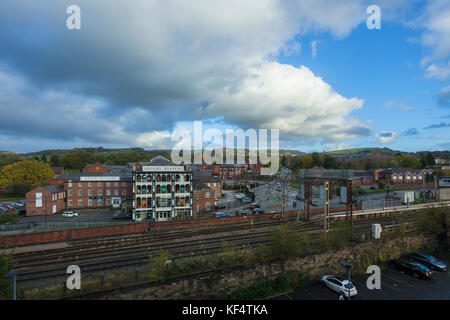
pixel 30 172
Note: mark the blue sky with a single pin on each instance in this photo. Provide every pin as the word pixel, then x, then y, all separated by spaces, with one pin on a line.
pixel 383 68
pixel 135 75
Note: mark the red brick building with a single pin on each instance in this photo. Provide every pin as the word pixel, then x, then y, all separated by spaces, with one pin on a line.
pixel 46 200
pixel 203 199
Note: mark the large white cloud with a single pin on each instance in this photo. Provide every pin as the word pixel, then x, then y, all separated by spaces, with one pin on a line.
pixel 147 64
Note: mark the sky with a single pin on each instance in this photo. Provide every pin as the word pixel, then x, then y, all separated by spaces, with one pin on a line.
pixel 139 73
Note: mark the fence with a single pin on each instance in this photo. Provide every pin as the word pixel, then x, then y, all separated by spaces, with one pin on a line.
pixel 379 204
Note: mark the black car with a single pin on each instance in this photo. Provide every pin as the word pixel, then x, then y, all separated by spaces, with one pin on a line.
pixel 122 215
pixel 412 268
pixel 257 211
pixel 429 261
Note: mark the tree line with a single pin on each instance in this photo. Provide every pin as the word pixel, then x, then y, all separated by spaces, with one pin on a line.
pixel 296 162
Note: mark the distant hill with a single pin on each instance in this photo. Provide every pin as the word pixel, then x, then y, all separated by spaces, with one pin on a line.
pixel 366 152
pixel 355 152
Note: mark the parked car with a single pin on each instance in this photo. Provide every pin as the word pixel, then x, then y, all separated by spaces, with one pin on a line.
pixel 70 214
pixel 255 205
pixel 219 205
pixel 124 215
pixel 239 196
pixel 412 268
pixel 257 211
pixel 8 206
pixel 343 287
pixel 314 203
pixel 221 215
pixel 429 261
pixel 246 200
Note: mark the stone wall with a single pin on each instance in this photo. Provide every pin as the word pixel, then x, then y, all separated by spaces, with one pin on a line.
pixel 220 283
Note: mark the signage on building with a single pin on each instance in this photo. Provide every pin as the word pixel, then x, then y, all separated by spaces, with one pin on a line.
pixel 95 198
pixel 38 199
pixel 163 168
pixel 99 178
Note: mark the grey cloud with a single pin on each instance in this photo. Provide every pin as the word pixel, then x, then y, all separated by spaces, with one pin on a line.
pixel 411 132
pixel 438 125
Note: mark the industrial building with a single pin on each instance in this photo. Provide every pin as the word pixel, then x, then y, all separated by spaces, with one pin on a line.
pixel 162 191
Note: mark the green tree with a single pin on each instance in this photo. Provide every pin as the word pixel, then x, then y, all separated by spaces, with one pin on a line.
pixel 307 162
pixel 56 161
pixel 430 159
pixel 30 172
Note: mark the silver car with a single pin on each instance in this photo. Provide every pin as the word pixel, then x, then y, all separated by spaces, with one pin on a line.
pixel 70 214
pixel 343 287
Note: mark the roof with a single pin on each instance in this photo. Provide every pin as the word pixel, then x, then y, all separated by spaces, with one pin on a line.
pixel 57 170
pixel 198 185
pixel 75 176
pixel 160 161
pixel 54 188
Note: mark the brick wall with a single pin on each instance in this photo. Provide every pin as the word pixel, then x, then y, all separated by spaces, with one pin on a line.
pixel 200 201
pixel 47 202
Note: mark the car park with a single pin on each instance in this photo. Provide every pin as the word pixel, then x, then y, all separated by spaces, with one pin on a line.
pixel 429 261
pixel 343 287
pixel 70 214
pixel 412 268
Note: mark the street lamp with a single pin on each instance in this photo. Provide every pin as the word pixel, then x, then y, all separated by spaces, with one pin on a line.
pixel 348 266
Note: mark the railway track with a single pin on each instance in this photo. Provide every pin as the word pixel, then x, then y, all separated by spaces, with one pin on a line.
pixel 54 264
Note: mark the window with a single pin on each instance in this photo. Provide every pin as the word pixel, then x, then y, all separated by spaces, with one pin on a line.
pixel 208 195
pixel 124 192
pixel 89 192
pixel 80 203
pixel 100 192
pixel 123 184
pixel 89 184
pixel 108 184
pixel 89 202
pixel 100 202
pixel 116 184
pixel 70 203
pixel 208 206
pixel 116 192
pixel 80 193
pixel 99 184
pixel 70 184
pixel 80 185
pixel 69 192
pixel 108 192
pixel 108 202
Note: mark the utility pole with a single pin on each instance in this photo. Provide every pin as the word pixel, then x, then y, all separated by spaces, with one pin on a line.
pixel 326 207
